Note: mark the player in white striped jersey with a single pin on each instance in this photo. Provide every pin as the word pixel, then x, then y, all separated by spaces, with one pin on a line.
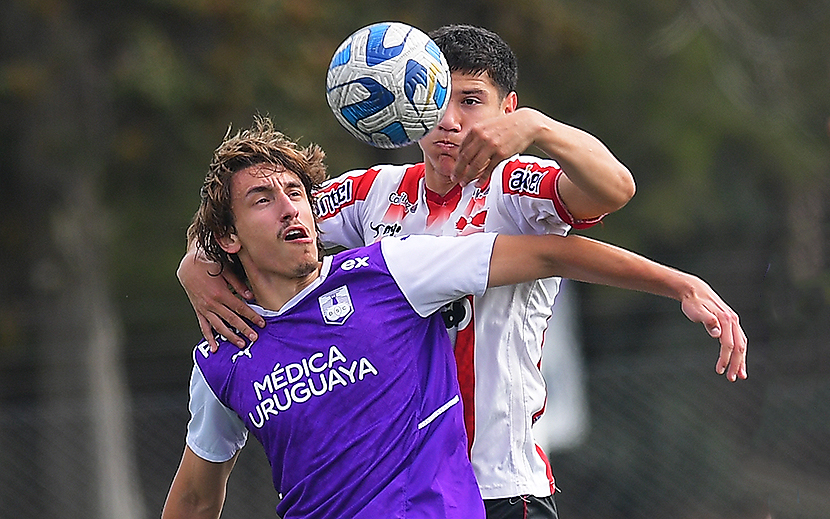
pixel 472 180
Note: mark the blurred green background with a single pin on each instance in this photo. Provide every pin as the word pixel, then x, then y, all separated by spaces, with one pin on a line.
pixel 110 113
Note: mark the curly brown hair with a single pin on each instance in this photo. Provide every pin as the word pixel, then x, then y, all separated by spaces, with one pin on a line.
pixel 261 144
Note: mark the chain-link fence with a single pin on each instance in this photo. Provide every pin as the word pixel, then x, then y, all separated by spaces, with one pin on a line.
pixel 666 439
pixel 660 435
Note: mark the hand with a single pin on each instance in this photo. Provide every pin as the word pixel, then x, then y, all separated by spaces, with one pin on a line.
pixel 703 305
pixel 491 141
pixel 217 307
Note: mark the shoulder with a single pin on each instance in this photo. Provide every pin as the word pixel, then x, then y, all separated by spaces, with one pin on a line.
pixel 417 250
pixel 528 175
pixel 362 184
pixel 368 257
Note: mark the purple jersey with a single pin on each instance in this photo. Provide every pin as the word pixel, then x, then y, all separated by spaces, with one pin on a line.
pixel 351 388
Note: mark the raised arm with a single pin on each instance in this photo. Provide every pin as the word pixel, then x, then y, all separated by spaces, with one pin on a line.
pixel 595 182
pixel 518 259
pixel 198 489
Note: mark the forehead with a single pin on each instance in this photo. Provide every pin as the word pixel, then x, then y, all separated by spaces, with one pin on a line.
pixel 263 175
pixel 466 81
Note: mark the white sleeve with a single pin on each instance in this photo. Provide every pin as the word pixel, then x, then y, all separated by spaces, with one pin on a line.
pixel 525 199
pixel 432 271
pixel 214 433
pixel 339 206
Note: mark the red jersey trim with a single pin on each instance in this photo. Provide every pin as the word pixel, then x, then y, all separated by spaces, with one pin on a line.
pixel 405 199
pixel 340 194
pixel 440 207
pixel 566 215
pixel 541 182
pixel 465 341
pixel 548 470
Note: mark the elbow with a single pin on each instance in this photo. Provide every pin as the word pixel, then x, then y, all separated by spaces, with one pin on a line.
pixel 624 192
pixel 629 188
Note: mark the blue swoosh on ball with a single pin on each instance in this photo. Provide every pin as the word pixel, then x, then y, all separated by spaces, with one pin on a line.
pixel 342 57
pixel 376 53
pixel 416 74
pixel 379 98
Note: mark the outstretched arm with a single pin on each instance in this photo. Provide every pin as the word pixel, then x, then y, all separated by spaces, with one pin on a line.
pixel 518 259
pixel 217 307
pixel 198 489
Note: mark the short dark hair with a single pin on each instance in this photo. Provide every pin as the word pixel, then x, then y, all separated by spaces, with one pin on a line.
pixel 474 50
pixel 261 144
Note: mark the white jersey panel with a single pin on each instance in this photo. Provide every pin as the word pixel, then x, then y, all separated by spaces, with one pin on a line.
pixel 508 323
pixel 214 432
pixel 433 271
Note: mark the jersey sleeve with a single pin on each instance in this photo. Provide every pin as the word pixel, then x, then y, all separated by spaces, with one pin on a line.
pixel 339 204
pixel 432 271
pixel 529 194
pixel 215 433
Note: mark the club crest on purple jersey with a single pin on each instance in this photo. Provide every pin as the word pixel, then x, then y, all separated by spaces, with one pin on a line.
pixel 336 305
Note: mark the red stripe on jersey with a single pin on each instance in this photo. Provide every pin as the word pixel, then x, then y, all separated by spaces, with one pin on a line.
pixel 541 411
pixel 405 199
pixel 339 194
pixel 537 181
pixel 530 179
pixel 566 215
pixel 465 364
pixel 365 182
pixel 474 215
pixel 440 207
pixel 548 470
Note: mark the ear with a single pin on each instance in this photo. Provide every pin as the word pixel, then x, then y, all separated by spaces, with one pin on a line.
pixel 229 243
pixel 510 102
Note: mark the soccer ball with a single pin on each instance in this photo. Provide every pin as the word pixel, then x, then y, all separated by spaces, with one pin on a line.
pixel 388 84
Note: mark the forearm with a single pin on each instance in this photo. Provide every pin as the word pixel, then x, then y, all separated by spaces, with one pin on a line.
pixel 517 259
pixel 198 489
pixel 186 507
pixel 587 260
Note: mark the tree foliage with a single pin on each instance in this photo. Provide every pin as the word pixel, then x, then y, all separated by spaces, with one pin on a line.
pixel 720 109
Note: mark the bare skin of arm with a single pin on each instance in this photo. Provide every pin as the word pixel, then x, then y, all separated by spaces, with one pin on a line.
pixel 595 182
pixel 217 307
pixel 518 259
pixel 198 489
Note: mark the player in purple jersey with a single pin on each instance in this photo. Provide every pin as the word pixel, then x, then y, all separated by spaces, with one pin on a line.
pixel 351 385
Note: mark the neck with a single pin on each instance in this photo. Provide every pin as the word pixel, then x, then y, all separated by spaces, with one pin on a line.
pixel 272 291
pixel 437 183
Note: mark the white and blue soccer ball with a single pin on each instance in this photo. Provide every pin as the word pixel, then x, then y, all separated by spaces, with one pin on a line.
pixel 388 84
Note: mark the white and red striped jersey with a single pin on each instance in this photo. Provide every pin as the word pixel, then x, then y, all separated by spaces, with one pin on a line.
pixel 498 337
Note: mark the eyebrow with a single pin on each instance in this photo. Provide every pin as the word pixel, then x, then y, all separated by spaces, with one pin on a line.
pixel 473 91
pixel 292 183
pixel 257 189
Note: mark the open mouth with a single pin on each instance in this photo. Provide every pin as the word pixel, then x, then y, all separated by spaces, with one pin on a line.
pixel 294 233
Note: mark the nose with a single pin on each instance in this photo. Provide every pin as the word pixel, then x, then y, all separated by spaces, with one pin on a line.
pixel 290 209
pixel 450 122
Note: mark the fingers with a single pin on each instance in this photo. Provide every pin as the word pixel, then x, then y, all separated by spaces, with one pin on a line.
pixel 229 316
pixel 473 164
pixel 737 365
pixel 225 331
pixel 207 332
pixel 732 359
pixel 483 149
pixel 721 322
pixel 237 284
pixel 241 314
pixel 231 319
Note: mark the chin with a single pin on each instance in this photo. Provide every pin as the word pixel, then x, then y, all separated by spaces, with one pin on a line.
pixel 306 268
